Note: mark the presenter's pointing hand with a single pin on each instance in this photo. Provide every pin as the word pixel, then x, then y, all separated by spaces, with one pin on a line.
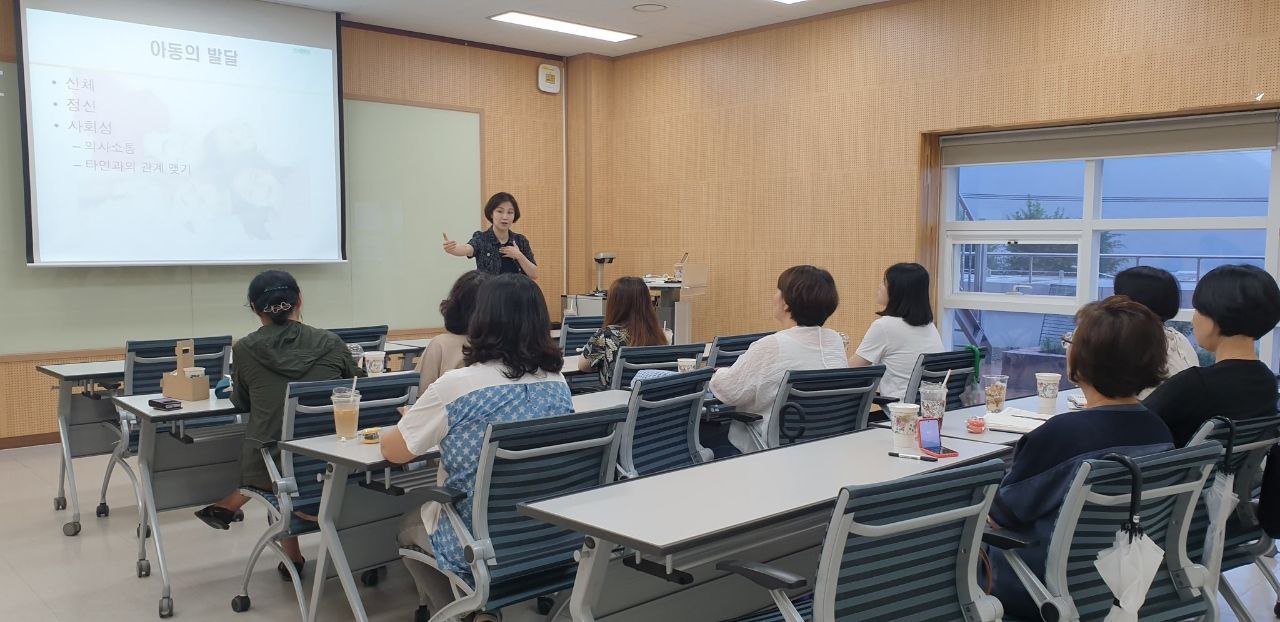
pixel 450 246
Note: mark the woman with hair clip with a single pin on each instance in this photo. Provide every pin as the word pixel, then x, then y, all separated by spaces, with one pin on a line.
pixel 281 351
pixel 512 374
pixel 629 320
pixel 904 329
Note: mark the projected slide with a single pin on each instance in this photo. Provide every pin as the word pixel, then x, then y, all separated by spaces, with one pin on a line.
pixel 159 145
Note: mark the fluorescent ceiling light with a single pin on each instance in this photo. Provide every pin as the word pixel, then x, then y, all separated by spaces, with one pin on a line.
pixel 788 1
pixel 570 28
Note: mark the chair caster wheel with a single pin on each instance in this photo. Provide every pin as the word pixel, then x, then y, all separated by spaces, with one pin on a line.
pixel 166 607
pixel 59 503
pixel 102 510
pixel 369 577
pixel 240 604
pixel 71 529
pixel 144 568
pixel 545 604
pixel 137 531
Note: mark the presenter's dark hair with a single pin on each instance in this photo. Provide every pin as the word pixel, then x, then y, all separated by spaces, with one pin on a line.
pixel 274 294
pixel 1241 299
pixel 908 287
pixel 511 325
pixel 1153 287
pixel 1118 347
pixel 461 303
pixel 810 294
pixel 499 199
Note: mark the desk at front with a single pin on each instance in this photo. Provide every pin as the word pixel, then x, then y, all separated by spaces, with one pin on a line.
pixel 771 505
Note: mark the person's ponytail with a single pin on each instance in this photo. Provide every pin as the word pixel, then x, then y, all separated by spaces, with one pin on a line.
pixel 274 294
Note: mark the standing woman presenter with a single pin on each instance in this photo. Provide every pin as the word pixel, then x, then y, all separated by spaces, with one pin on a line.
pixel 498 249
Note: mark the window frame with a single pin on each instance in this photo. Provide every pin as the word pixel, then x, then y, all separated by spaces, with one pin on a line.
pixel 1086 233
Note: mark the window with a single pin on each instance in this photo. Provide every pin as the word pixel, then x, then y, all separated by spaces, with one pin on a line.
pixel 1040 222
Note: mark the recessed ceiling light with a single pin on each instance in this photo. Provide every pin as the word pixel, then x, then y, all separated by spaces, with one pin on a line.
pixel 570 28
pixel 788 1
pixel 649 7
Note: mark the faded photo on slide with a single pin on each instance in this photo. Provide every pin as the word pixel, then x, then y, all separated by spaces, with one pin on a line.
pixel 155 145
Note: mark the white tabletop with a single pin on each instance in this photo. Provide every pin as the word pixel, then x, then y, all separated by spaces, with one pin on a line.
pixel 137 404
pixel 600 400
pixel 571 364
pixel 352 453
pixel 953 422
pixel 100 370
pixel 401 347
pixel 419 344
pixel 669 512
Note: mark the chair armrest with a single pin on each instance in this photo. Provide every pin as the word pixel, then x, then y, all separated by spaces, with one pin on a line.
pixel 263 444
pixel 763 575
pixel 741 417
pixel 444 495
pixel 882 401
pixel 1007 539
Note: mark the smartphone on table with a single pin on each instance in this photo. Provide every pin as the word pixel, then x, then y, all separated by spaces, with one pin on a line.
pixel 929 434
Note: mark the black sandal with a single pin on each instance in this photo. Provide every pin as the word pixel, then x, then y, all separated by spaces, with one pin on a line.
pixel 284 572
pixel 219 517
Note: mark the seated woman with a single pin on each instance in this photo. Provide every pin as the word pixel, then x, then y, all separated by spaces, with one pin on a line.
pixel 1159 291
pixel 444 353
pixel 806 297
pixel 1116 351
pixel 904 329
pixel 512 374
pixel 283 350
pixel 1234 307
pixel 629 320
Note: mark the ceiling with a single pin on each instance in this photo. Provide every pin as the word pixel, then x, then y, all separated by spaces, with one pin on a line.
pixel 683 20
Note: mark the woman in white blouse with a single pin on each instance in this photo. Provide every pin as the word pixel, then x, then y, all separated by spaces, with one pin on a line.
pixel 904 329
pixel 1159 291
pixel 806 297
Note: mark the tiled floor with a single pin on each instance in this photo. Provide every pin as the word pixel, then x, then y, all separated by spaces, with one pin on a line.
pixel 48 577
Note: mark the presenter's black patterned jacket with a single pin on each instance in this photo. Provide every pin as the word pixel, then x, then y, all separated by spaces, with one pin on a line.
pixel 488 259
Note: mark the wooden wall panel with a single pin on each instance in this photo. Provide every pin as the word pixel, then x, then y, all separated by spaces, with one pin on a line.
pixel 802 143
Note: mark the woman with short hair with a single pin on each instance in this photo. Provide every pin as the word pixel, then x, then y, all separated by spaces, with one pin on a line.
pixel 806 297
pixel 1116 351
pixel 498 249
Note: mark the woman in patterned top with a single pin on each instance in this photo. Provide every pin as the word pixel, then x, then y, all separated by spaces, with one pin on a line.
pixel 629 320
pixel 512 374
pixel 498 249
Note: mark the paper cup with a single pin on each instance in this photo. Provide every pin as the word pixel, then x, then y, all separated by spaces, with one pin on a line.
pixel 684 365
pixel 904 418
pixel 375 362
pixel 1047 389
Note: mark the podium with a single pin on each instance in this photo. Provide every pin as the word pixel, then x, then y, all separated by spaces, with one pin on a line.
pixel 675 300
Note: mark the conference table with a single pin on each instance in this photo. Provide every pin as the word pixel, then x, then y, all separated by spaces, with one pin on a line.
pixel 953 421
pixel 358 524
pixel 688 519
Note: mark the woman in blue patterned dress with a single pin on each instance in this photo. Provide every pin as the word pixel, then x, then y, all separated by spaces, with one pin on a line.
pixel 512 373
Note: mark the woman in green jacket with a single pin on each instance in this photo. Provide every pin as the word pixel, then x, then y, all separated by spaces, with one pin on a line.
pixel 283 350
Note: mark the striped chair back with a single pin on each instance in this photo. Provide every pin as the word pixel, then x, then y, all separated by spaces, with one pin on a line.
pixel 308 412
pixel 906 549
pixel 576 330
pixel 370 338
pixel 662 424
pixel 1245 540
pixel 726 350
pixel 633 359
pixel 934 367
pixel 524 461
pixel 146 361
pixel 818 403
pixel 1097 503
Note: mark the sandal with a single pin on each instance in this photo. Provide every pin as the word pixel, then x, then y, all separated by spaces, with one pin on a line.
pixel 284 571
pixel 219 517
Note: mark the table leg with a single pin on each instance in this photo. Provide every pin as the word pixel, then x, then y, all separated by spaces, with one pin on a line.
pixel 66 470
pixel 331 498
pixel 593 564
pixel 146 454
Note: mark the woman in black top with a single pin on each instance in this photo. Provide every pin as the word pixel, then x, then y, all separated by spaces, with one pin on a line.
pixel 1234 306
pixel 498 249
